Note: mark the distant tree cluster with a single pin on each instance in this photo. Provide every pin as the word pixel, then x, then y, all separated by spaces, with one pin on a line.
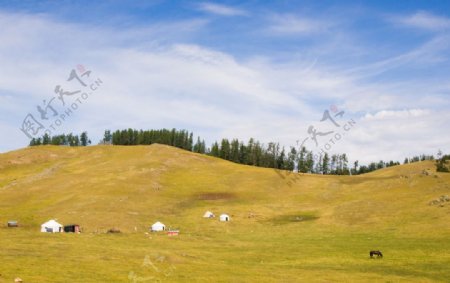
pixel 252 153
pixel 68 140
pixel 382 164
pixel 418 158
pixel 442 162
pixel 177 138
pixel 273 156
pixel 373 166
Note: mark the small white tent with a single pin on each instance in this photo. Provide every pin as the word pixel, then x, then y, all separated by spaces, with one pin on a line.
pixel 158 226
pixel 224 217
pixel 51 226
pixel 208 214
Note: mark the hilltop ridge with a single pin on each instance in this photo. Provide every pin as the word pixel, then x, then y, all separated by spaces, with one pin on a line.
pixel 284 226
pixel 126 186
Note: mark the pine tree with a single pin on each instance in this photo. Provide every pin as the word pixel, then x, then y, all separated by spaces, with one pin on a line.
pixel 302 160
pixel 309 162
pixel 224 151
pixel 345 170
pixel 84 139
pixel 333 167
pixel 203 147
pixel 380 164
pixel 243 153
pixel 215 150
pixel 46 139
pixel 325 163
pixel 355 167
pixel 197 146
pixel 291 159
pixel 319 168
pixel 190 141
pixel 234 151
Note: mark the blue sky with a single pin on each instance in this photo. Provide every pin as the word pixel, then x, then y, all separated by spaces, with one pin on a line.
pixel 236 69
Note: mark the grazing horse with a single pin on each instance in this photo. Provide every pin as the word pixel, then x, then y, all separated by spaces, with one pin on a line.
pixel 377 253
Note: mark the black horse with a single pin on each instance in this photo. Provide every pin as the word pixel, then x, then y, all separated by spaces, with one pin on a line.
pixel 377 253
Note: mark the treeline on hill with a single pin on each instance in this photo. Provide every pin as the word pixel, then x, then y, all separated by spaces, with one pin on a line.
pixel 252 153
pixel 273 156
pixel 177 138
pixel 68 140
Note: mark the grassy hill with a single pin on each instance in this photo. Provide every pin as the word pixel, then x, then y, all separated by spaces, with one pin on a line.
pixel 284 227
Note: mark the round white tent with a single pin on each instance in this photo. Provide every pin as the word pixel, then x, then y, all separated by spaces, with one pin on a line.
pixel 208 214
pixel 224 217
pixel 158 226
pixel 51 226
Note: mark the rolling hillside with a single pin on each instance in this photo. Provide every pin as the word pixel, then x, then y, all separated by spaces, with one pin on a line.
pixel 284 227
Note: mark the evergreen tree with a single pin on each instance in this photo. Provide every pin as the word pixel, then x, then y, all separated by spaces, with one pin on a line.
pixel 355 167
pixel 203 147
pixel 325 164
pixel 215 150
pixel 319 168
pixel 309 162
pixel 302 160
pixel 281 160
pixel 190 141
pixel 46 139
pixel 243 153
pixel 234 151
pixel 291 159
pixel 224 152
pixel 107 137
pixel 197 146
pixel 380 164
pixel 345 170
pixel 84 139
pixel 333 166
pixel 250 152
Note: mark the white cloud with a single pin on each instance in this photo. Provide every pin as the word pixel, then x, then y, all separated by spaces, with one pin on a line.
pixel 220 9
pixel 424 20
pixel 289 24
pixel 394 135
pixel 395 114
pixel 153 80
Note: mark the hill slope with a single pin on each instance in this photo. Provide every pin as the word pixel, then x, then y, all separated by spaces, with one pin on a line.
pixel 285 226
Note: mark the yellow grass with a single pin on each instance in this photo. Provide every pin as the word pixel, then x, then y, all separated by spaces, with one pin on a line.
pixel 284 227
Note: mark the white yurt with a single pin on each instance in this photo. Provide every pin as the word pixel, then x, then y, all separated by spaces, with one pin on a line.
pixel 208 214
pixel 51 226
pixel 224 217
pixel 158 226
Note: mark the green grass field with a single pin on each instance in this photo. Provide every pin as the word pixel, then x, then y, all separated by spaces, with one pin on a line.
pixel 284 227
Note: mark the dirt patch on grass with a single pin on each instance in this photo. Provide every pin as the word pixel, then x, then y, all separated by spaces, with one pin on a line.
pixel 215 196
pixel 293 218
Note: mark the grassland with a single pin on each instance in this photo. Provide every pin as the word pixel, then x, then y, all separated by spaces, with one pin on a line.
pixel 284 227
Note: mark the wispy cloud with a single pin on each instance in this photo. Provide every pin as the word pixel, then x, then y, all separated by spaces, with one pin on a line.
pixel 221 10
pixel 158 75
pixel 427 54
pixel 395 114
pixel 290 24
pixel 424 20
